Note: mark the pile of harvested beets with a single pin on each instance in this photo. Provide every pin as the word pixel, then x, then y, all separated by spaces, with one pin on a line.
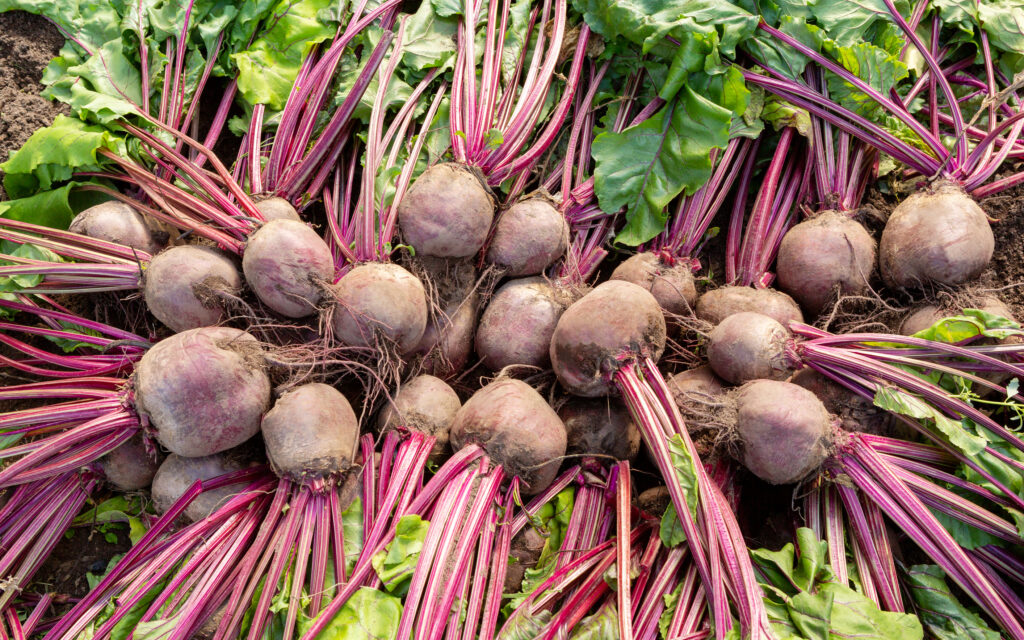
pixel 500 319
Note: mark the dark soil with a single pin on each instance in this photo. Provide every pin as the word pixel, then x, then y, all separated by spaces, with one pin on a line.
pixel 27 44
pixel 1005 274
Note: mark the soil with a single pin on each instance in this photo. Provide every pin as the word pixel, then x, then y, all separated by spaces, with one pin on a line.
pixel 27 44
pixel 1005 274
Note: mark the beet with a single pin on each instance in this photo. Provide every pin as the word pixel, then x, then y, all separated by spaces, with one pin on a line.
pixel 697 385
pixel 718 304
pixel 131 466
pixel 447 212
pixel 203 390
pixel 116 221
pixel 181 286
pixel 425 404
pixel 654 501
pixel 288 266
pixel 600 426
pixel 785 429
pixel 615 321
pixel 528 237
pixel 178 473
pixel 517 325
pixel 517 428
pixel 311 432
pixel 818 255
pixel 277 208
pixel 747 346
pixel 671 285
pixel 380 299
pixel 454 303
pixel 936 236
pixel 447 340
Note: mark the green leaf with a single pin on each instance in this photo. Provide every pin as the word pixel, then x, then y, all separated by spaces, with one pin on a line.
pixel 55 208
pixel 804 600
pixel 267 70
pixel 352 528
pixel 901 402
pixel 686 471
pixel 973 323
pixel 940 611
pixel 646 166
pixel 429 39
pixel 848 21
pixel 447 8
pixel 10 284
pixel 68 344
pixel 671 602
pixel 880 69
pixel 397 561
pixel 781 114
pixel 53 153
pixel 602 625
pixel 965 535
pixel 92 22
pixel 117 509
pixel 649 22
pixel 368 615
pixel 552 520
pixel 671 529
pixel 1003 21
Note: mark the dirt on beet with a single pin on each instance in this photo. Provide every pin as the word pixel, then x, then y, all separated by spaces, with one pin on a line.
pixel 27 44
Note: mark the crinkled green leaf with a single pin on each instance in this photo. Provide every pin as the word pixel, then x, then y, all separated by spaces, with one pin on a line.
pixel 645 167
pixel 267 70
pixel 53 153
pixel 973 323
pixel 92 22
pixel 903 403
pixel 649 22
pixel 880 69
pixel 1003 21
pixel 940 611
pixel 525 627
pixel 671 602
pixel 781 114
pixel 429 39
pixel 804 601
pixel 685 470
pixel 397 561
pixel 368 615
pixel 962 14
pixel 447 8
pixel 848 21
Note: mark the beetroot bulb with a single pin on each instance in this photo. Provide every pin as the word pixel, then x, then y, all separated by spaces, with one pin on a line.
pixel 608 342
pixel 185 286
pixel 517 428
pixel 447 212
pixel 177 473
pixel 311 432
pixel 118 222
pixel 528 237
pixel 830 254
pixel 425 404
pixel 203 390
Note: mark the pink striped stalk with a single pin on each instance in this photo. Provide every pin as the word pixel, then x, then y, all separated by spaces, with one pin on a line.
pixel 33 520
pixel 109 351
pixel 970 166
pixel 751 248
pixel 362 229
pixel 713 535
pixel 884 485
pixel 482 105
